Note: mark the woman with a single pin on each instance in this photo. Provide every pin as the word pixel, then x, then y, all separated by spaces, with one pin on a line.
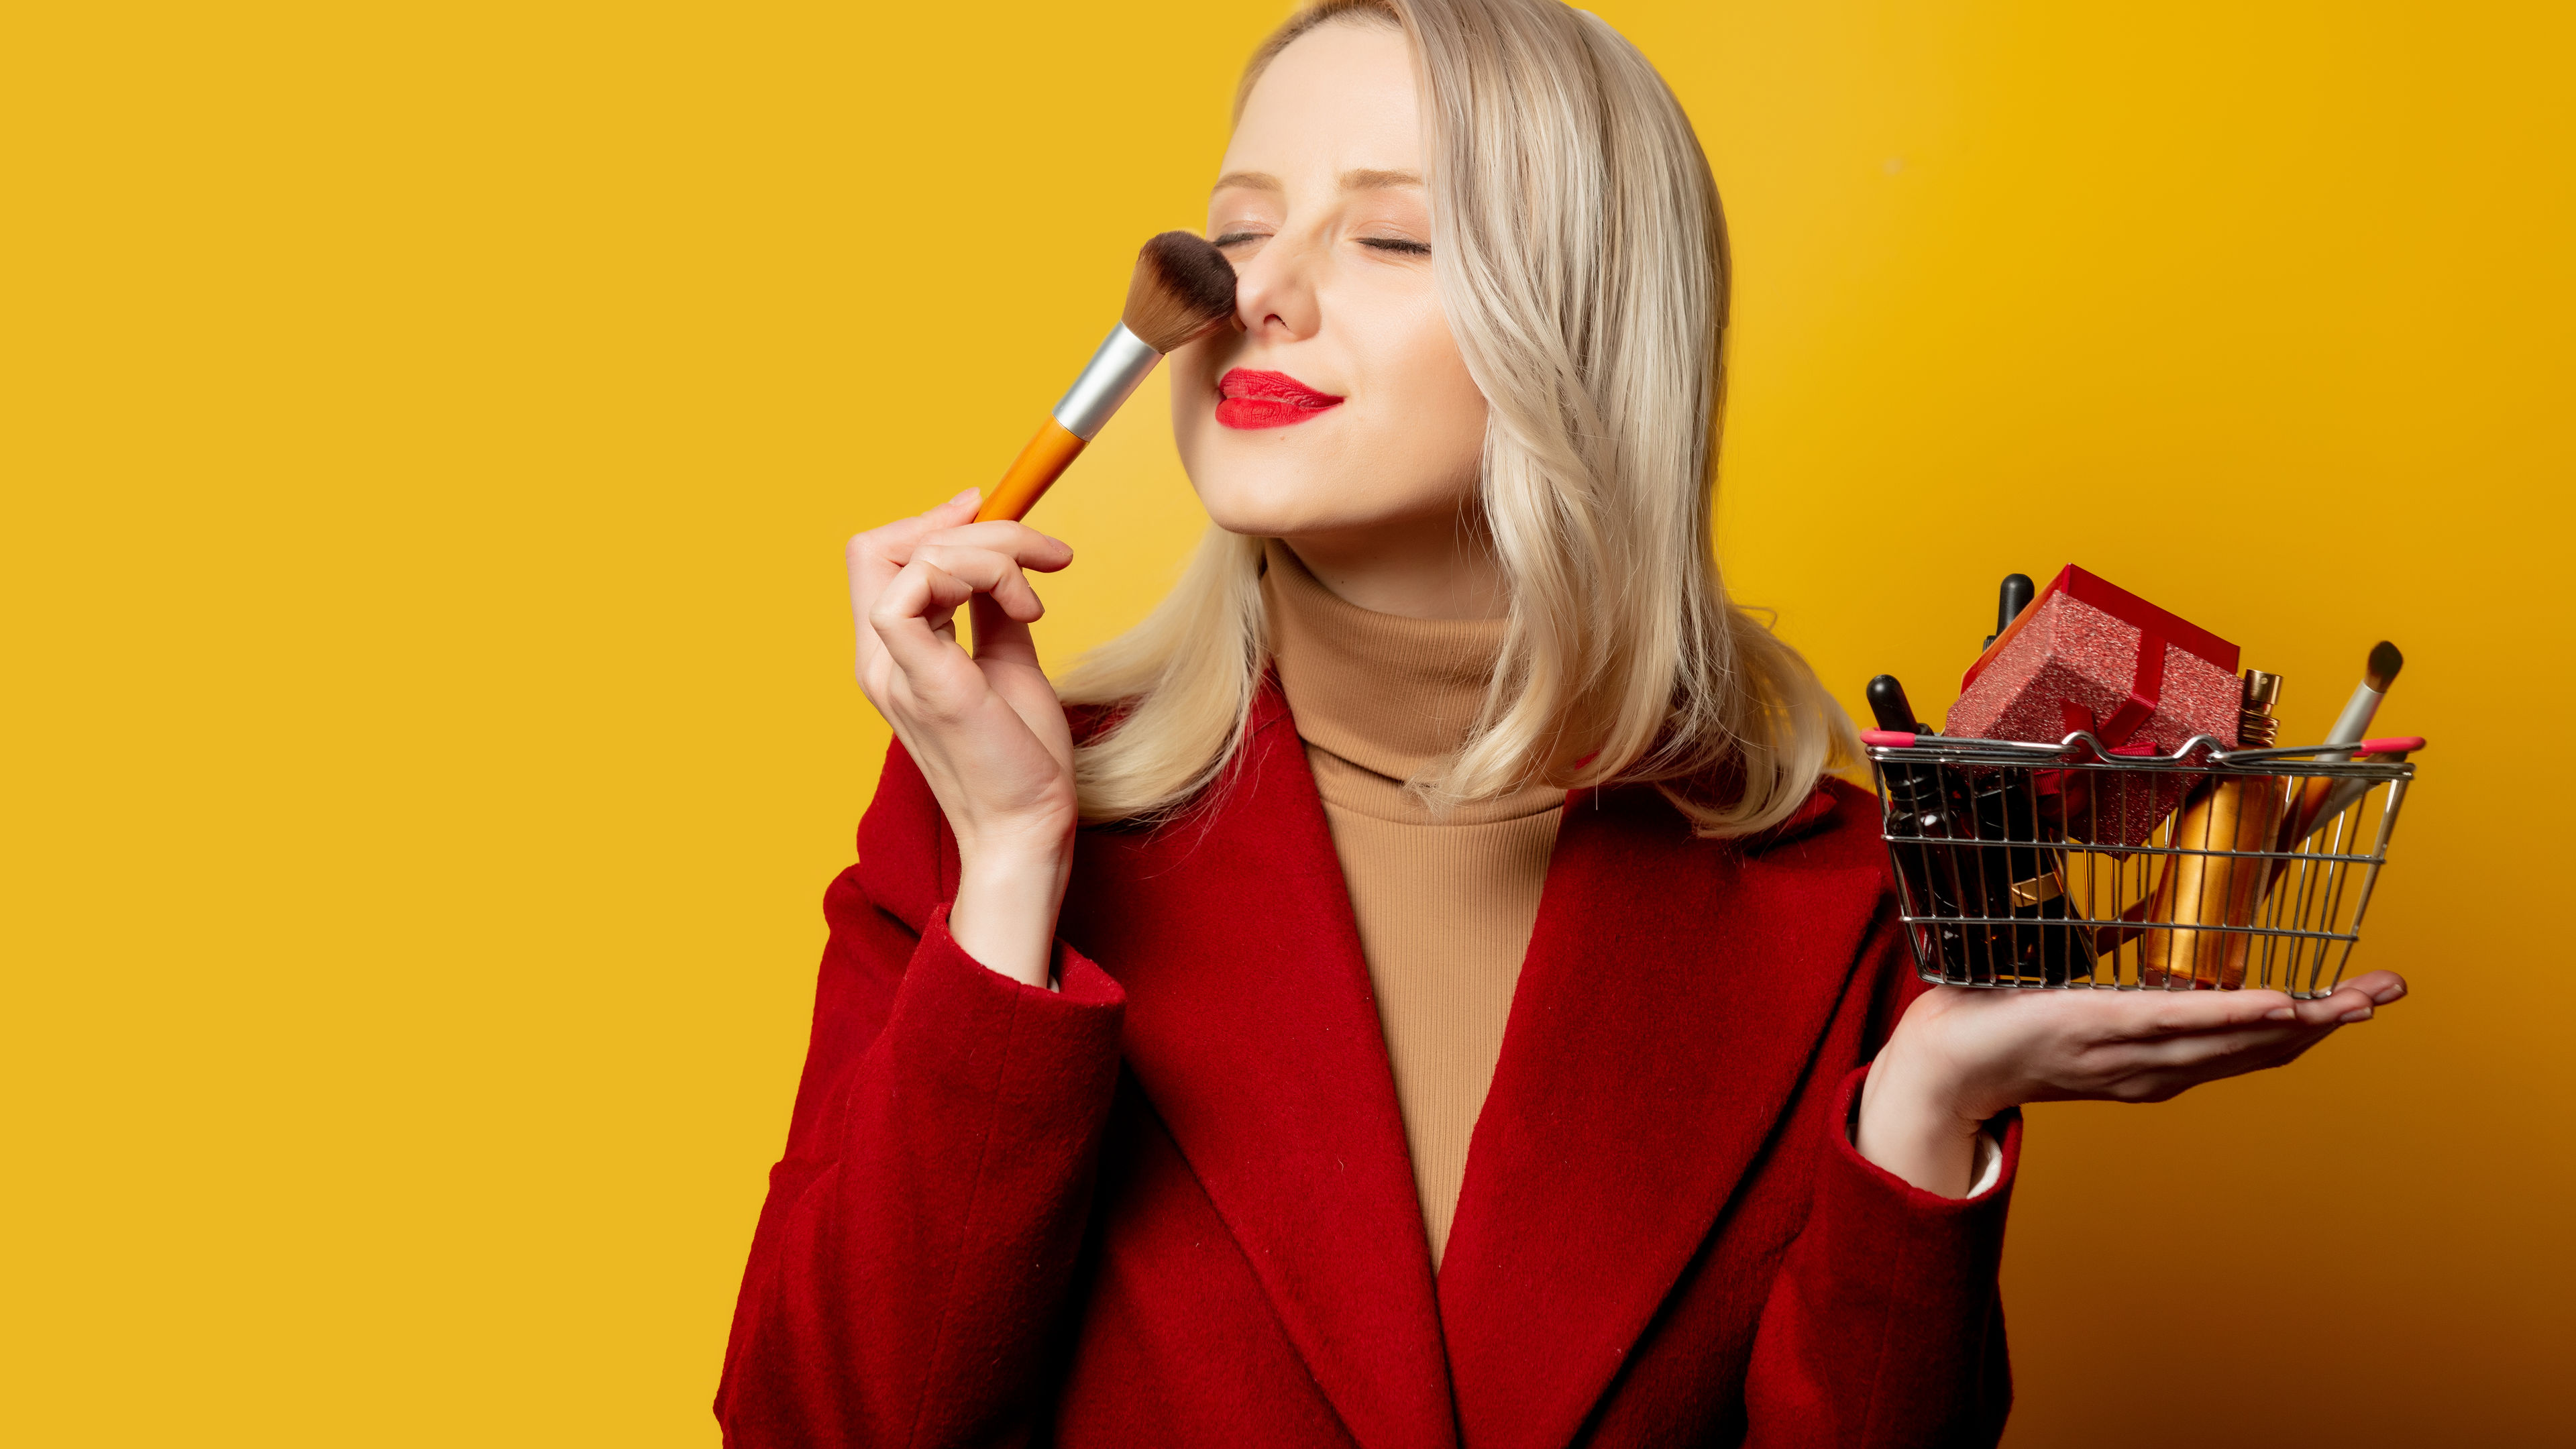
pixel 1425 992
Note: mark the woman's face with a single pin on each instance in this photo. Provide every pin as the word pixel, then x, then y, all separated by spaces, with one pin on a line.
pixel 1343 404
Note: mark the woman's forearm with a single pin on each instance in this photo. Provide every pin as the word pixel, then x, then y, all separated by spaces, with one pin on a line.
pixel 1005 911
pixel 919 1243
pixel 1961 1057
pixel 1910 1126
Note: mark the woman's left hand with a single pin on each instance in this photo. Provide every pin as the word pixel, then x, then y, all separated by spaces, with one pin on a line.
pixel 1961 1056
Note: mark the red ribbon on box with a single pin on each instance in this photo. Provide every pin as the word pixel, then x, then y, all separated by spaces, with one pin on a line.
pixel 2146 691
pixel 2089 656
pixel 2157 629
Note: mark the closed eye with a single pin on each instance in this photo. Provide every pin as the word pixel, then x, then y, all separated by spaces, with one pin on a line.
pixel 1397 245
pixel 1236 238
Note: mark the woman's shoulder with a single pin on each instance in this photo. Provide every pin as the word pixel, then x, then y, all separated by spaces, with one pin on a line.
pixel 1827 848
pixel 1835 827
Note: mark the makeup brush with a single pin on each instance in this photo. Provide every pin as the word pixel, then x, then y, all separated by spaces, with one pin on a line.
pixel 2377 675
pixel 2321 800
pixel 1183 290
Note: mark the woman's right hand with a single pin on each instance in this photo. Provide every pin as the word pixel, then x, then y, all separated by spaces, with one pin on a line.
pixel 985 729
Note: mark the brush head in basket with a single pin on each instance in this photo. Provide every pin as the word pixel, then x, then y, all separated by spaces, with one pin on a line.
pixel 2385 661
pixel 1183 289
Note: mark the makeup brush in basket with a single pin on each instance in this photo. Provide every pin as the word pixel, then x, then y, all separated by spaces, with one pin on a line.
pixel 1183 290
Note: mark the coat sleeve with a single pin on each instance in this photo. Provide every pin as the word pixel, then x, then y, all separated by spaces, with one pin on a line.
pixel 916 1252
pixel 1884 1326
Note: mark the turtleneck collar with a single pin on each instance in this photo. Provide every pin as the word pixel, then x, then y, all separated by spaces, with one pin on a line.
pixel 1391 695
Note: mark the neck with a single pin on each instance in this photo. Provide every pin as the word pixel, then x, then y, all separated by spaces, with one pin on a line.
pixel 1435 568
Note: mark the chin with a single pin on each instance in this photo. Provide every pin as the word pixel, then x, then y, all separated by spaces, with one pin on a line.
pixel 1338 474
pixel 1269 481
pixel 1270 501
pixel 1283 500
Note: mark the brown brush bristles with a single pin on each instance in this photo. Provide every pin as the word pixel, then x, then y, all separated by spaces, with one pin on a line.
pixel 2385 661
pixel 1183 289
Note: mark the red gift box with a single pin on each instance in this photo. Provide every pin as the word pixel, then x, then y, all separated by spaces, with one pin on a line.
pixel 2089 655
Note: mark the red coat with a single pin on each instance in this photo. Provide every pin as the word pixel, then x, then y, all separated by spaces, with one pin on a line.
pixel 1171 1204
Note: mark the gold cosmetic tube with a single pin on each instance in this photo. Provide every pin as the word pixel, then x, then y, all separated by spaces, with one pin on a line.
pixel 2208 891
pixel 2212 890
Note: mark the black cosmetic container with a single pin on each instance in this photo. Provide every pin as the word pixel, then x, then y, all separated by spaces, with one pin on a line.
pixel 1986 868
pixel 2017 879
pixel 1920 808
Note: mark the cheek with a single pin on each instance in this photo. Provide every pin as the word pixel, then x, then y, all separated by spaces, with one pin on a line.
pixel 1257 482
pixel 1411 444
pixel 1443 410
pixel 1192 374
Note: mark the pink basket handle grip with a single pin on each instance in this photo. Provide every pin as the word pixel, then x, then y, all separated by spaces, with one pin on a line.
pixel 1889 739
pixel 2393 745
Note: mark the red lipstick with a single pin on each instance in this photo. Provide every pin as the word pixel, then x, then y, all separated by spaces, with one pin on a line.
pixel 1250 399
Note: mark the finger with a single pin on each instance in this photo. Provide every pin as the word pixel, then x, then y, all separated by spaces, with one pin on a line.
pixel 2156 1071
pixel 2165 1084
pixel 2344 1008
pixel 2154 1015
pixel 2352 1002
pixel 2171 1066
pixel 1025 545
pixel 917 645
pixel 900 534
pixel 987 572
pixel 999 638
pixel 868 577
pixel 874 566
pixel 891 544
pixel 2202 1048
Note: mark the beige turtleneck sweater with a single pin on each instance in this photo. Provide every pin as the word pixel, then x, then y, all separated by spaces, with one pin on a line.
pixel 1445 905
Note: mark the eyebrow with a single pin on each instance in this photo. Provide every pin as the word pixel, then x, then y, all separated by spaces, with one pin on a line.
pixel 1363 180
pixel 1379 180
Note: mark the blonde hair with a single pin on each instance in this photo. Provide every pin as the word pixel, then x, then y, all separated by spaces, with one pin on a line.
pixel 1581 260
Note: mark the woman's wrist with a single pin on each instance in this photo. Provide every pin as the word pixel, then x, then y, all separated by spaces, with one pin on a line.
pixel 1005 910
pixel 1918 1124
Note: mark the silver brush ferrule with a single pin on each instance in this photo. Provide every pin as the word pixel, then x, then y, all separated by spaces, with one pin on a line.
pixel 2354 723
pixel 1115 370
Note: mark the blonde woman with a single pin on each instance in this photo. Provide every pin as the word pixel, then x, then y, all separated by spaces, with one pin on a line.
pixel 1418 989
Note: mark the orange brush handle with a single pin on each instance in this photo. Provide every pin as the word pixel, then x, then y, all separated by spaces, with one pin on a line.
pixel 1039 463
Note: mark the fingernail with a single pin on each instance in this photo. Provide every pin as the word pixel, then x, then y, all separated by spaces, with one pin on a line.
pixel 2358 1013
pixel 969 493
pixel 2281 1013
pixel 2391 994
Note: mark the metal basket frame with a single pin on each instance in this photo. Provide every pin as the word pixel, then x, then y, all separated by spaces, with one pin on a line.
pixel 2299 936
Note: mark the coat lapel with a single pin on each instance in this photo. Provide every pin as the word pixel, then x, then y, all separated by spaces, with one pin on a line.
pixel 1673 997
pixel 1253 1031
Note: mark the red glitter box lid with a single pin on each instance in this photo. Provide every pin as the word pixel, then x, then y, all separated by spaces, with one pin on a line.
pixel 2081 656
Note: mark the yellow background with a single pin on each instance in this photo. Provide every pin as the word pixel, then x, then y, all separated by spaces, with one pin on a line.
pixel 429 435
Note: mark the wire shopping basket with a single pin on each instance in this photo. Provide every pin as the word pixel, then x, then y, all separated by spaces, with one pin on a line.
pixel 2066 865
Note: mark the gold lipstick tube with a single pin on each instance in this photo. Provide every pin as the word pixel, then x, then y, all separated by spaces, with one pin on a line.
pixel 2201 894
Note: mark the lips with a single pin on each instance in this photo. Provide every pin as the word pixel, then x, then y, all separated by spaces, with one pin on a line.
pixel 1252 399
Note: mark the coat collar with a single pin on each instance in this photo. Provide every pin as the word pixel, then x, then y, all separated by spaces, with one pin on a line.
pixel 1253 1031
pixel 1674 996
pixel 1674 992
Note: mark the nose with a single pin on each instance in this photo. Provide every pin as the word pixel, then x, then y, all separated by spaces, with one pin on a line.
pixel 1274 292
